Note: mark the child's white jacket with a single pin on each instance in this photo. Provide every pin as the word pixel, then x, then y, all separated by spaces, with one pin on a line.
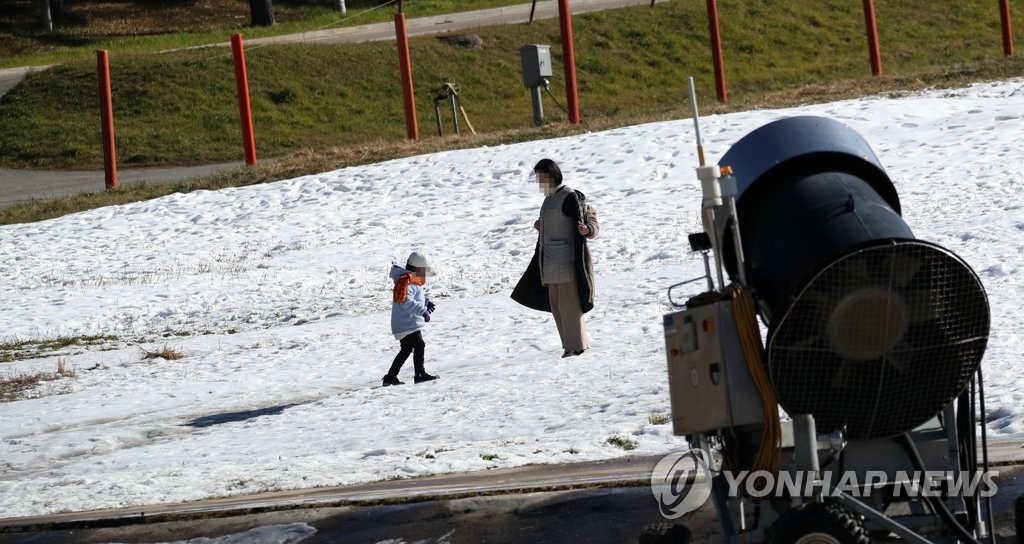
pixel 407 316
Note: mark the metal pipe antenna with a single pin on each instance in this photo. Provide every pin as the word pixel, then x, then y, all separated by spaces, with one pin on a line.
pixel 712 191
pixel 711 188
pixel 729 192
pixel 696 123
pixel 707 272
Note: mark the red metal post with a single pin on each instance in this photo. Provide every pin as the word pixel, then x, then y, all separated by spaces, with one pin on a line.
pixel 107 120
pixel 716 51
pixel 244 106
pixel 412 130
pixel 871 24
pixel 1004 15
pixel 569 60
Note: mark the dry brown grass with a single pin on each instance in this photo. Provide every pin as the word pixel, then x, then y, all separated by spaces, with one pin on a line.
pixel 17 385
pixel 21 21
pixel 167 353
pixel 141 18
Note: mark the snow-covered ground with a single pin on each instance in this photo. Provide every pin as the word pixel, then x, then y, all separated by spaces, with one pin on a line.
pixel 277 296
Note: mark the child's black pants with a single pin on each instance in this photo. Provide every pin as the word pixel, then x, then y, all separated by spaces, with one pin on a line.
pixel 412 343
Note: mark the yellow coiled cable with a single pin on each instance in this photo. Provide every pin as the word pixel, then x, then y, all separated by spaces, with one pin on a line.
pixel 753 351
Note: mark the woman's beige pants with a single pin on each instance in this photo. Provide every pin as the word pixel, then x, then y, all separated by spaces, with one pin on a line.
pixel 568 314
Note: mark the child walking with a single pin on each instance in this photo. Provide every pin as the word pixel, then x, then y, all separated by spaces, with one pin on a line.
pixel 410 312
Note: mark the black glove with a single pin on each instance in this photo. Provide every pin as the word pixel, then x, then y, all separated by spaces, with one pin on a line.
pixel 431 306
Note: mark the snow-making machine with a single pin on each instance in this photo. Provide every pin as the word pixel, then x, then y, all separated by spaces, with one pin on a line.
pixel 855 417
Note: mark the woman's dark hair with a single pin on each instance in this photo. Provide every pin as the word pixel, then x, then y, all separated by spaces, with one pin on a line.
pixel 549 167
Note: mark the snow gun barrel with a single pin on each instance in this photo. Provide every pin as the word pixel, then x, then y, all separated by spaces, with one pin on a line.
pixel 868 328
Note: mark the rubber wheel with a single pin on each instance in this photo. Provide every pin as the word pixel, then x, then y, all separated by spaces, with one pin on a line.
pixel 817 523
pixel 666 533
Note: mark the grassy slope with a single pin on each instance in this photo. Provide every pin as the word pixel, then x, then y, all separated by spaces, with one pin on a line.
pixel 158 25
pixel 330 105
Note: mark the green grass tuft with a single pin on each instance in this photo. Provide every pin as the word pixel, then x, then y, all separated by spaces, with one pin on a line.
pixel 16 350
pixel 623 443
pixel 659 419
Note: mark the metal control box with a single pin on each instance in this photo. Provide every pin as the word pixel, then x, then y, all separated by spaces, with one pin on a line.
pixel 709 383
pixel 536 59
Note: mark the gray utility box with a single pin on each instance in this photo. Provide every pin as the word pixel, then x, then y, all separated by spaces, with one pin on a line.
pixel 536 61
pixel 709 383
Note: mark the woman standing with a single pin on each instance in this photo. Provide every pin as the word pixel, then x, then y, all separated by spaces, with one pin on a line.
pixel 561 265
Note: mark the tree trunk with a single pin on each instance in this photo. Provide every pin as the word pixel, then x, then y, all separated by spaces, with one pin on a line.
pixel 262 12
pixel 339 5
pixel 47 17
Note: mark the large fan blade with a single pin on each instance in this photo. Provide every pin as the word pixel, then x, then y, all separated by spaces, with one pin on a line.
pixel 880 339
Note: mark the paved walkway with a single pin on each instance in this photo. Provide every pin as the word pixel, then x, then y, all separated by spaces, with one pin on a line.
pixel 19 186
pixel 444 24
pixel 596 502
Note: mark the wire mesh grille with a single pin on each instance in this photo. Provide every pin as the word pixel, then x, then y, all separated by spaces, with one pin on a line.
pixel 880 340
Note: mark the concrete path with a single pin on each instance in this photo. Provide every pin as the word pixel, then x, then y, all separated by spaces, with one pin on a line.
pixel 9 77
pixel 531 504
pixel 454 22
pixel 626 471
pixel 20 186
pixel 606 516
pixel 594 502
